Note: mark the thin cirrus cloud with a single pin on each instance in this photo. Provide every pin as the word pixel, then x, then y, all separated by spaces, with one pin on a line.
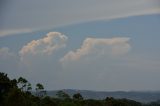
pixel 110 46
pixel 17 15
pixel 14 31
pixel 47 45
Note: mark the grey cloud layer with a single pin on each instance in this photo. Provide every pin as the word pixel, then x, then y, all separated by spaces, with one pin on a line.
pixel 4 52
pixel 8 61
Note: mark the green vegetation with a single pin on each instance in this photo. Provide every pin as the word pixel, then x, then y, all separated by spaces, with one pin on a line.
pixel 18 93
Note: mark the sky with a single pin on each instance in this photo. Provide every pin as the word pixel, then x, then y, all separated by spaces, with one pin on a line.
pixel 104 45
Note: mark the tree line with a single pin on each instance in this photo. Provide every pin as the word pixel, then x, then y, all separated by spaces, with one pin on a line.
pixel 19 92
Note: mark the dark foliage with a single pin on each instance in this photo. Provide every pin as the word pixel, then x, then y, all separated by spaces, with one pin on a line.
pixel 18 93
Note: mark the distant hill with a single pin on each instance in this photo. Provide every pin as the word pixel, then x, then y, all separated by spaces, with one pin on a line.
pixel 143 97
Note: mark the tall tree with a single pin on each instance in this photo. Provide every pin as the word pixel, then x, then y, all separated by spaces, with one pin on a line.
pixel 40 90
pixel 77 96
pixel 29 87
pixel 22 83
pixel 62 95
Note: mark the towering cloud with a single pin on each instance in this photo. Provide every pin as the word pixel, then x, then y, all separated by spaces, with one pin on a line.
pixel 112 46
pixel 47 45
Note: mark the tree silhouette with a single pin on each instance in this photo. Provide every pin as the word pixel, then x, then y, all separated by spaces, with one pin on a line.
pixel 77 96
pixel 29 87
pixel 40 90
pixel 62 95
pixel 22 83
pixel 11 95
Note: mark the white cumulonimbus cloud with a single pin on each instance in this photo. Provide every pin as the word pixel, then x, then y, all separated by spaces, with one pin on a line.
pixel 111 46
pixel 47 45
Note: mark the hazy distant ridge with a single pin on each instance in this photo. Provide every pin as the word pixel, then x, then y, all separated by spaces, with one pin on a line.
pixel 137 96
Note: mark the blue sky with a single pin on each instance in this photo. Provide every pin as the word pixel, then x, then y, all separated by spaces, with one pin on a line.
pixel 93 45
